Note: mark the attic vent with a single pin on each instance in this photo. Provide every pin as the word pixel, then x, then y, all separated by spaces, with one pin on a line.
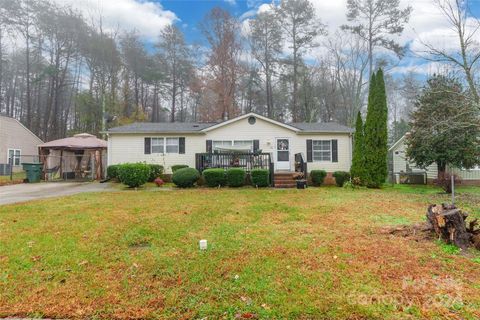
pixel 252 120
pixel 195 125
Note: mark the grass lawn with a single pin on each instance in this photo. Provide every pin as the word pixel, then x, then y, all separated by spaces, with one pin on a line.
pixel 17 177
pixel 273 254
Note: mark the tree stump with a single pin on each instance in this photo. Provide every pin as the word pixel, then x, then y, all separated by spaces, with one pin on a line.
pixel 448 223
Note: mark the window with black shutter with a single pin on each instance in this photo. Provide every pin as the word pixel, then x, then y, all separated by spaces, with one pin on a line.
pixel 148 145
pixel 309 151
pixel 181 145
pixel 334 150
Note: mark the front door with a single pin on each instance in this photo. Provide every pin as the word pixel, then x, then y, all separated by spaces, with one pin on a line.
pixel 283 154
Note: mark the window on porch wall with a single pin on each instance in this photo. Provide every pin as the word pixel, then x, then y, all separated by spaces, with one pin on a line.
pixel 219 144
pixel 243 144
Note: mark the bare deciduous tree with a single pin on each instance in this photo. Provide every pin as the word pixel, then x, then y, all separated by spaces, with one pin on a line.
pixel 467 54
pixel 348 57
pixel 177 58
pixel 221 31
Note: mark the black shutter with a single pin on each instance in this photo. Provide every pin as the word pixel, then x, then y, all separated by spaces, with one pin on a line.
pixel 148 145
pixel 209 146
pixel 256 145
pixel 181 145
pixel 309 151
pixel 334 151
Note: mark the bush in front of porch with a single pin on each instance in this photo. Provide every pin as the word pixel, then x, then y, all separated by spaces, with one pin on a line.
pixel 318 176
pixel 215 177
pixel 260 178
pixel 235 177
pixel 186 177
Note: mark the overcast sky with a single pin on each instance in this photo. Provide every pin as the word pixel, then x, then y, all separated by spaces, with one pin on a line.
pixel 148 17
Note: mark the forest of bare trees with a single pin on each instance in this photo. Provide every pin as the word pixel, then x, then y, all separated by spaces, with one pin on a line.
pixel 62 72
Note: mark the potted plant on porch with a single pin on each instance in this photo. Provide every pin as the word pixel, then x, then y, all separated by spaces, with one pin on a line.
pixel 300 179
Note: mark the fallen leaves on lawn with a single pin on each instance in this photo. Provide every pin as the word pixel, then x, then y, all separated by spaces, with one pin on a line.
pixel 246 315
pixel 82 263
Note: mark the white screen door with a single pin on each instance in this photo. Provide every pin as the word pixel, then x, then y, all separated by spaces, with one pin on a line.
pixel 283 154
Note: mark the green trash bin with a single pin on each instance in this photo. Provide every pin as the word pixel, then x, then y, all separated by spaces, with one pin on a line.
pixel 33 171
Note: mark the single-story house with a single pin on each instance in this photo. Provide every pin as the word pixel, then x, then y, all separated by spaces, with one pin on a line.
pixel 17 143
pixel 281 147
pixel 403 168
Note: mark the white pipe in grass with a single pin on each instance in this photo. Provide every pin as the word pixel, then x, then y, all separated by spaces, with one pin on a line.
pixel 203 244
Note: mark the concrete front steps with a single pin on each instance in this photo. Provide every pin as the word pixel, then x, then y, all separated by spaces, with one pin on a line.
pixel 285 179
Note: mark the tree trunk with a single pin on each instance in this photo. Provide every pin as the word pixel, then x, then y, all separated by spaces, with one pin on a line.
pixel 441 168
pixel 174 101
pixel 29 107
pixel 448 223
pixel 1 70
pixel 295 86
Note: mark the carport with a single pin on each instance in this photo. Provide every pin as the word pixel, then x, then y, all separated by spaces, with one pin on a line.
pixel 81 157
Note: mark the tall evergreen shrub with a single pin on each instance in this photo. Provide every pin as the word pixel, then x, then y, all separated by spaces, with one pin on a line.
pixel 358 160
pixel 376 133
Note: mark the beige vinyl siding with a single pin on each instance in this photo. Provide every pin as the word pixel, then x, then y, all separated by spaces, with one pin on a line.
pixel 130 147
pixel 13 135
pixel 400 163
pixel 472 174
pixel 124 148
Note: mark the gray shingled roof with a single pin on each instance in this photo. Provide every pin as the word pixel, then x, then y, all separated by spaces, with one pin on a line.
pixel 190 127
pixel 163 127
pixel 322 127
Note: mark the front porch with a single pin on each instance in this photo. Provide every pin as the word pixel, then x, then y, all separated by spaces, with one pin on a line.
pixel 252 160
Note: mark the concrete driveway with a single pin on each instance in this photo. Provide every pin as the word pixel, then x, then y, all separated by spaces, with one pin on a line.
pixel 33 191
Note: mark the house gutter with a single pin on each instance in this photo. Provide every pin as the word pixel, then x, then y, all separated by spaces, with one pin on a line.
pixel 323 132
pixel 153 132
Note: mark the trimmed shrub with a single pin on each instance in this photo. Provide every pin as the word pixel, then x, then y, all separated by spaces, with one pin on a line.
pixel 186 177
pixel 215 177
pixel 112 171
pixel 341 177
pixel 318 176
pixel 260 177
pixel 176 167
pixel 156 171
pixel 133 174
pixel 235 177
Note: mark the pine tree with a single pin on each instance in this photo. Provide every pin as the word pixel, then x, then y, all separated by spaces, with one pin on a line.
pixel 376 133
pixel 358 160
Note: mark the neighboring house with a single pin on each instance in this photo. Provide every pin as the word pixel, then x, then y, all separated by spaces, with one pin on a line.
pixel 326 146
pixel 17 143
pixel 402 166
